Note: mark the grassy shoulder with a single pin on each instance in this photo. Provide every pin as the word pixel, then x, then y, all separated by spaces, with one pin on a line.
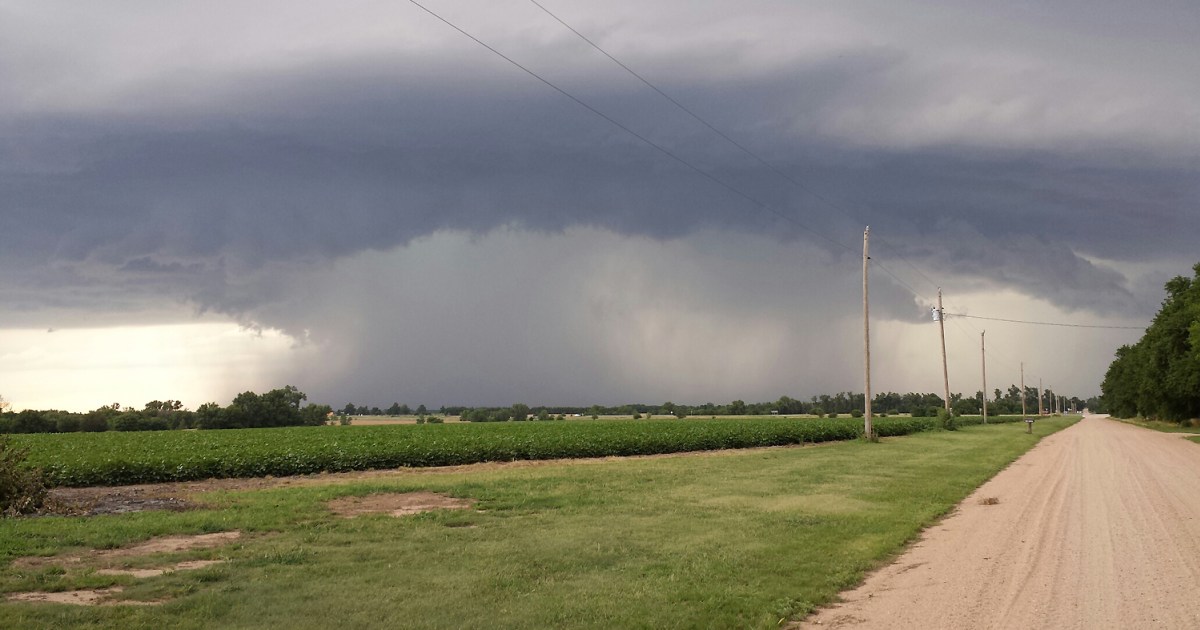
pixel 1167 427
pixel 728 539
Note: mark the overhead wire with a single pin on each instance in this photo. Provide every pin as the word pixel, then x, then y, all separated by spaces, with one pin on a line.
pixel 713 128
pixel 1064 324
pixel 709 176
pixel 795 182
pixel 1009 362
pixel 642 138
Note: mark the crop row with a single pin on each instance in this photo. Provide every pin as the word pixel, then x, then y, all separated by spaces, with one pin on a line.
pixel 127 458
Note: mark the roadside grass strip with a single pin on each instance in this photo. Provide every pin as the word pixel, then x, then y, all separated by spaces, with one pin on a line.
pixel 745 539
pixel 1192 426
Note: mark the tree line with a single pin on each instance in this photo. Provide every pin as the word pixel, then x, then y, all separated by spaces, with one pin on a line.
pixel 1159 376
pixel 284 407
pixel 276 408
pixel 843 403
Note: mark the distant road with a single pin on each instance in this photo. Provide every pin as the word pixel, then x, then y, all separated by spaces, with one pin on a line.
pixel 1098 526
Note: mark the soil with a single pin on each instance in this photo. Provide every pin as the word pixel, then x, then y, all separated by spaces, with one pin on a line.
pixel 100 559
pixel 190 565
pixel 87 597
pixel 397 504
pixel 164 544
pixel 1098 526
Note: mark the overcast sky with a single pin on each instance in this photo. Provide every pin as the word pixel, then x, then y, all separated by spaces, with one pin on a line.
pixel 201 198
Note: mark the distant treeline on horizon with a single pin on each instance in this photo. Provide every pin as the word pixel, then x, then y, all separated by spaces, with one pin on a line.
pixel 1001 402
pixel 284 407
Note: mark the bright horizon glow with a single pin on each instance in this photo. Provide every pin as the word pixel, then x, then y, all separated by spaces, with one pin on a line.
pixel 80 369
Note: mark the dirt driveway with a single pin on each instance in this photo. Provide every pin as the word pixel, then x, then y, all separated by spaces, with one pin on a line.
pixel 1098 526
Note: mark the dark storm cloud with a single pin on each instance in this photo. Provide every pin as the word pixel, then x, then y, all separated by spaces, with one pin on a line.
pixel 207 176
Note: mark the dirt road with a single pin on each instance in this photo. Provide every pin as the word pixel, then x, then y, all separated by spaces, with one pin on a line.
pixel 1098 526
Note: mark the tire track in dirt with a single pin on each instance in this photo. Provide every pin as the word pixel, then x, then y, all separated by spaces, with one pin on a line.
pixel 1098 526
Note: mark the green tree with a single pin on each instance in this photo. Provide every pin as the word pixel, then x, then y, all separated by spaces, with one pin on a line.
pixel 315 415
pixel 1159 376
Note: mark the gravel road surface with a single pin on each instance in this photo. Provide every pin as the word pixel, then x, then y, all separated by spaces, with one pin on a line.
pixel 1098 526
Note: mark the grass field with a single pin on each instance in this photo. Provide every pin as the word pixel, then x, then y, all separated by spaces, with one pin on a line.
pixel 718 540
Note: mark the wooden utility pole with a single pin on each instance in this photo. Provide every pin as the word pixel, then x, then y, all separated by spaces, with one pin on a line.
pixel 1023 412
pixel 1040 396
pixel 983 362
pixel 942 327
pixel 868 430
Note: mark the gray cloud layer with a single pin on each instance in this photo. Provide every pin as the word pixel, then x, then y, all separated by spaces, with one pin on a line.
pixel 178 156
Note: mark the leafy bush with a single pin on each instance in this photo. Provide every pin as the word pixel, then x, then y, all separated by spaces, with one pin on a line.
pixel 947 420
pixel 22 490
pixel 856 413
pixel 113 458
pixel 833 414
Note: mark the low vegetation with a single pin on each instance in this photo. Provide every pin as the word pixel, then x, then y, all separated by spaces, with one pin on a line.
pixel 1187 426
pixel 126 458
pixel 22 489
pixel 740 539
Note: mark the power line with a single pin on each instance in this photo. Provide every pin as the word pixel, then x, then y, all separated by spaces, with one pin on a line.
pixel 760 204
pixel 645 140
pixel 1022 321
pixel 698 118
pixel 902 283
pixel 993 351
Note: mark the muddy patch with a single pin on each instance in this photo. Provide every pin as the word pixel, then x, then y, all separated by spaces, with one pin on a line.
pixel 172 544
pixel 109 561
pixel 164 544
pixel 120 500
pixel 190 565
pixel 397 504
pixel 87 597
